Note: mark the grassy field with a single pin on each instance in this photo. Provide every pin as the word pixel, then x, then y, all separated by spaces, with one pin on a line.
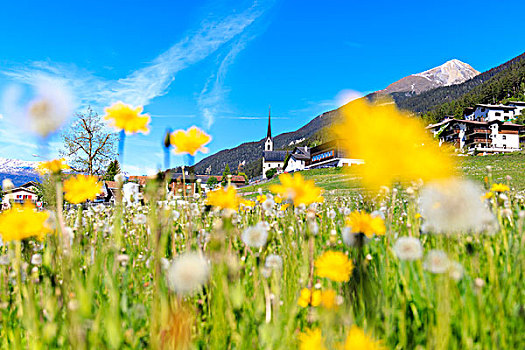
pixel 337 181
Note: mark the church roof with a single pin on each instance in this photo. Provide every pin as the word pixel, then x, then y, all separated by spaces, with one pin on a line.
pixel 269 134
pixel 274 156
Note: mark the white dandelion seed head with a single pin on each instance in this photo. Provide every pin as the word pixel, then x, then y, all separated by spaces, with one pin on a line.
pixel 268 204
pixel 332 214
pixel 140 219
pixel 36 259
pixel 51 108
pixel 313 227
pixel 456 271
pixel 353 239
pixel 408 248
pixel 347 211
pixel 479 283
pixel 4 260
pixel 453 206
pixel 436 261
pixel 274 262
pixel 175 214
pixel 188 273
pixel 7 185
pixel 120 178
pixel 256 236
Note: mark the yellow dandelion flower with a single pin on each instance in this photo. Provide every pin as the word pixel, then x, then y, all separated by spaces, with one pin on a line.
pixel 54 166
pixel 312 339
pixel 248 204
pixel 328 299
pixel 499 188
pixel 277 199
pixel 23 221
pixel 393 145
pixel 309 297
pixel 418 216
pixel 297 189
pixel 224 198
pixel 365 223
pixel 335 266
pixel 125 117
pixel 284 206
pixel 487 195
pixel 261 198
pixel 81 188
pixel 357 339
pixel 189 141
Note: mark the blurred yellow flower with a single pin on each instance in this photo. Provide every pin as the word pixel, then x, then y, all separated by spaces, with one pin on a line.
pixel 328 299
pixel 81 188
pixel 54 166
pixel 285 206
pixel 261 198
pixel 488 195
pixel 499 188
pixel 312 339
pixel 360 222
pixel 189 141
pixel 277 199
pixel 224 198
pixel 247 203
pixel 309 297
pixel 128 118
pixel 297 189
pixel 335 266
pixel 393 145
pixel 357 339
pixel 23 221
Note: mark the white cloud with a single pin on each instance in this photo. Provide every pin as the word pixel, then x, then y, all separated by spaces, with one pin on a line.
pixel 143 85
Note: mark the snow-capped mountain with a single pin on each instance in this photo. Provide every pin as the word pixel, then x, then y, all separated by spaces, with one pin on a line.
pixel 18 171
pixel 450 73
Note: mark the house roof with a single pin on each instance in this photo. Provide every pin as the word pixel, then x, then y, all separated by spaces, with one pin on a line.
pixel 18 189
pixel 112 184
pixel 500 106
pixel 431 126
pixel 519 103
pixel 204 178
pixel 141 180
pixel 274 156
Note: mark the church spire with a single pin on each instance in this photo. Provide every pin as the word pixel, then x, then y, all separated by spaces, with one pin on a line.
pixel 269 135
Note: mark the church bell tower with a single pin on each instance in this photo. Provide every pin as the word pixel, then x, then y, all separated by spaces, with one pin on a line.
pixel 268 143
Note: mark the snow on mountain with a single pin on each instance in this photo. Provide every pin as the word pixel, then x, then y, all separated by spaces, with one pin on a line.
pixel 450 73
pixel 18 171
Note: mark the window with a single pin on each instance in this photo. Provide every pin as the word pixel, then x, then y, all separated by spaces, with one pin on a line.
pixel 497 114
pixel 503 137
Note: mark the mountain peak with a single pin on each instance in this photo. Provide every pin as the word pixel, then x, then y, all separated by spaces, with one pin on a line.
pixel 449 73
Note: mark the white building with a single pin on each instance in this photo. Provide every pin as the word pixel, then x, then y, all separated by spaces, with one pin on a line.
pixel 519 106
pixel 25 193
pixel 488 113
pixel 272 159
pixel 297 160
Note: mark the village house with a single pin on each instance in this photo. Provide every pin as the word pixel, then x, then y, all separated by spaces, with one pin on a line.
pixel 21 194
pixel 473 136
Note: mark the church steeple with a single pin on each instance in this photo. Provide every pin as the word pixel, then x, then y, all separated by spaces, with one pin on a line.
pixel 268 143
pixel 269 134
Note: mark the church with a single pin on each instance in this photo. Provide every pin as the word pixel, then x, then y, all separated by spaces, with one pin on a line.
pixel 271 159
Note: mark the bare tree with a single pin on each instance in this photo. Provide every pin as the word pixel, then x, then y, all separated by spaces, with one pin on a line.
pixel 88 144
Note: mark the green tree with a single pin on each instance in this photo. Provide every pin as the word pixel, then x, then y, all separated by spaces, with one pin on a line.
pixel 212 182
pixel 270 173
pixel 225 174
pixel 112 170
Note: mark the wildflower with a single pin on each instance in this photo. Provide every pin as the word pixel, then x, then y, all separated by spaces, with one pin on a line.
pixel 357 339
pixel 246 203
pixel 311 339
pixel 139 219
pixel 453 206
pixel 488 195
pixel 278 199
pixel 332 214
pixel 223 198
pixel 274 262
pixel 50 109
pixel 261 198
pixel 408 248
pixel 456 271
pixel 81 188
pixel 365 223
pixel 54 166
pixel 393 145
pixel 127 118
pixel 120 178
pixel 309 297
pixel 268 204
pixel 335 266
pixel 329 299
pixel 7 185
pixel 36 259
pixel 23 221
pixel 285 206
pixel 297 189
pixel 499 188
pixel 189 141
pixel 255 236
pixel 436 261
pixel 188 273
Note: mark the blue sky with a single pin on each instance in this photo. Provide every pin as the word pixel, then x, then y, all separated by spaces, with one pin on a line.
pixel 219 64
